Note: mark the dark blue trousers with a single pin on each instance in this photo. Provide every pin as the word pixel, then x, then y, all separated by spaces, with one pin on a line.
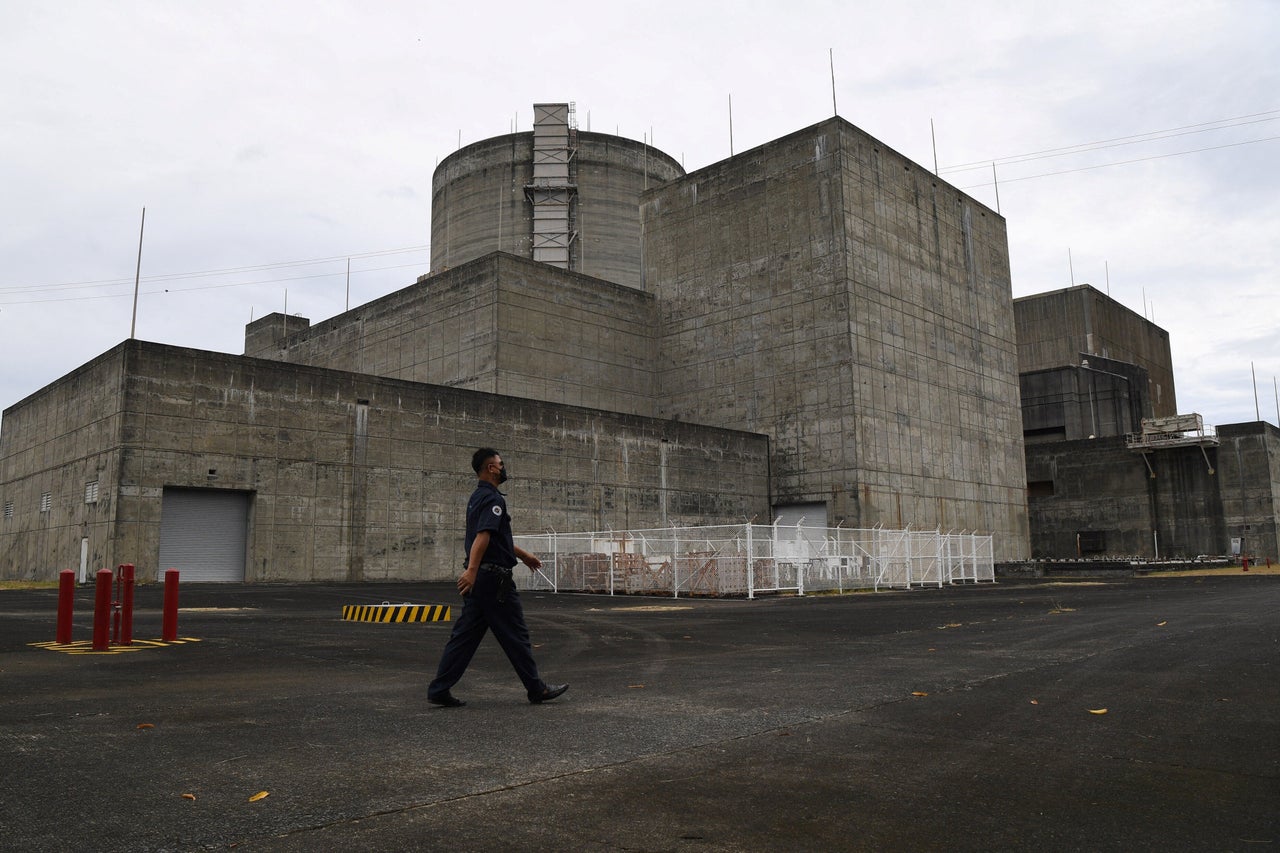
pixel 481 611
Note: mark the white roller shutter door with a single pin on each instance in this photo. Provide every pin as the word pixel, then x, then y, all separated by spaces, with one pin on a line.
pixel 204 534
pixel 811 515
pixel 793 541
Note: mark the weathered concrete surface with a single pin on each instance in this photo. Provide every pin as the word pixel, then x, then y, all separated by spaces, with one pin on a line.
pixel 500 324
pixel 478 202
pixel 1249 460
pixel 782 724
pixel 827 291
pixel 838 317
pixel 1183 500
pixel 352 476
pixel 1054 328
pixel 1104 398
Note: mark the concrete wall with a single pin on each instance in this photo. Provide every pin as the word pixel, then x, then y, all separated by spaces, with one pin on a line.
pixel 478 203
pixel 1102 487
pixel 612 172
pixel 827 291
pixel 331 502
pixel 1186 502
pixel 1249 475
pixel 1101 490
pixel 1055 328
pixel 57 442
pixel 500 324
pixel 1107 398
pixel 265 336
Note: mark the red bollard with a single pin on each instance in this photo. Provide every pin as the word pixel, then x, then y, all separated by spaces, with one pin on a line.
pixel 169 630
pixel 66 605
pixel 126 621
pixel 102 612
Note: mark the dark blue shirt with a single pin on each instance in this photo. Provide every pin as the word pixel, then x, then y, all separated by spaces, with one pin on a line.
pixel 487 510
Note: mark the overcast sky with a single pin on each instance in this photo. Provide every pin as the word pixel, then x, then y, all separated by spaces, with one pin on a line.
pixel 1137 146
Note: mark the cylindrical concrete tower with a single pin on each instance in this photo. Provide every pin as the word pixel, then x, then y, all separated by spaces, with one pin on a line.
pixel 566 197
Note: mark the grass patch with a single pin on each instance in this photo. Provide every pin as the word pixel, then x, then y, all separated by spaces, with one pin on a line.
pixel 28 585
pixel 1263 569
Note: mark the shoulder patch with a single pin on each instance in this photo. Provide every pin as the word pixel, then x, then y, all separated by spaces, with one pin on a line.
pixel 497 510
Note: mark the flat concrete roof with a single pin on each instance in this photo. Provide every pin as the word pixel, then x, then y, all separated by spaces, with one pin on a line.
pixel 957 718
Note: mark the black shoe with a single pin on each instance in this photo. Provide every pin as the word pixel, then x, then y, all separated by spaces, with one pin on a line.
pixel 446 700
pixel 548 693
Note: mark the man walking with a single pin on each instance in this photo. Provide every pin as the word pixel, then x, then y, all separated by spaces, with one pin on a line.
pixel 489 597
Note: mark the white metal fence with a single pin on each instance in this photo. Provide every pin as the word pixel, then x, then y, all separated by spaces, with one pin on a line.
pixel 746 559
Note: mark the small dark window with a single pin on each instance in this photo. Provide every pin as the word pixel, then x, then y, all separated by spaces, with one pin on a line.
pixel 1040 489
pixel 1092 541
pixel 1052 432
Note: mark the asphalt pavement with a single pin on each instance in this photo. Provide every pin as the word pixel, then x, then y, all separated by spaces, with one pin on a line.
pixel 1136 714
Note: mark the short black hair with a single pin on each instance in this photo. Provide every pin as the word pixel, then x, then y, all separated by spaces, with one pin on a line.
pixel 482 456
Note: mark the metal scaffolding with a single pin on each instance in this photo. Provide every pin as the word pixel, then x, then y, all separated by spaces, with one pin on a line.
pixel 1173 432
pixel 553 189
pixel 750 559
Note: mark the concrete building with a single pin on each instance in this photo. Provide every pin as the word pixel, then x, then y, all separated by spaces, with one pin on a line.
pixel 830 293
pixel 1062 328
pixel 1112 470
pixel 499 324
pixel 237 468
pixel 817 327
pixel 557 194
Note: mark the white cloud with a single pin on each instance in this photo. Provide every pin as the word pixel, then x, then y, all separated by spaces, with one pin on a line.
pixel 258 133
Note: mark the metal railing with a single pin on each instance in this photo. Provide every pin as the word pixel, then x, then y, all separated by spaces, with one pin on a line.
pixel 747 559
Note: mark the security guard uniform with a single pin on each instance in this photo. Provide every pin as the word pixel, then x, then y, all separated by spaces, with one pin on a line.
pixel 493 602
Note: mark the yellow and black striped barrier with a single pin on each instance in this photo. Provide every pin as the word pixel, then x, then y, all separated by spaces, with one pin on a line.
pixel 396 612
pixel 85 647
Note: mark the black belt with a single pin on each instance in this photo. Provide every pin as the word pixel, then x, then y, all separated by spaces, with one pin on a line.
pixel 494 567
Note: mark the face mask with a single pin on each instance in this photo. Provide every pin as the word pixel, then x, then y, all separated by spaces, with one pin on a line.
pixel 502 474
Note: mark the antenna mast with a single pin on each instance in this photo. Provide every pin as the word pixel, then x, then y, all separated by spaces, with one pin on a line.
pixel 137 278
pixel 831 57
pixel 730 124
